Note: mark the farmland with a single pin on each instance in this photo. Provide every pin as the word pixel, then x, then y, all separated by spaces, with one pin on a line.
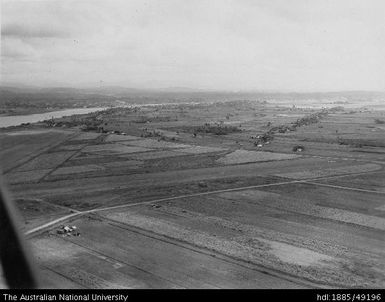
pixel 204 195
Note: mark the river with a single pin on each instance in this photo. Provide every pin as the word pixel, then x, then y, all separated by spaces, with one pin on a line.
pixel 15 120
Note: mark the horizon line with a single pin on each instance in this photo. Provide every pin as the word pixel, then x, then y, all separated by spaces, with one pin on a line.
pixel 185 89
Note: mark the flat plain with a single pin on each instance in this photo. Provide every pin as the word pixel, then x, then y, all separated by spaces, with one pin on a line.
pixel 217 195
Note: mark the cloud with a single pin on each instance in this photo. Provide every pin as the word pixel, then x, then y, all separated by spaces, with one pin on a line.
pixel 17 49
pixel 237 44
pixel 35 31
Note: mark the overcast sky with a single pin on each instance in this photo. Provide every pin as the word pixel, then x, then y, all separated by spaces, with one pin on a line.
pixel 213 44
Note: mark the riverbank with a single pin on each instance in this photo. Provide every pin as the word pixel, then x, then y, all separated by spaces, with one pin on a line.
pixel 146 180
pixel 17 120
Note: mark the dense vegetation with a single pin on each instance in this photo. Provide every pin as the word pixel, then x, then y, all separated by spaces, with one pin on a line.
pixel 217 129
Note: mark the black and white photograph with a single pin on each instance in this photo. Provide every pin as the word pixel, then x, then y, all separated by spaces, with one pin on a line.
pixel 205 144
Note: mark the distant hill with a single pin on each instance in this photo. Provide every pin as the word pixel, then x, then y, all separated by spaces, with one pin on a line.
pixel 52 98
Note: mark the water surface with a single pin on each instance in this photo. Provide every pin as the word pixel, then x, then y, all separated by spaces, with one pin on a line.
pixel 16 120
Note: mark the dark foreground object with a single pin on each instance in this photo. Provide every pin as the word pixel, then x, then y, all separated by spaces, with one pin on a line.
pixel 15 260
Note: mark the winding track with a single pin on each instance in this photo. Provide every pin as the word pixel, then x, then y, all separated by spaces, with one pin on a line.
pixel 273 275
pixel 308 181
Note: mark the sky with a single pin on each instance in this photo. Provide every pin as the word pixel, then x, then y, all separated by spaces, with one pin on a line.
pixel 296 45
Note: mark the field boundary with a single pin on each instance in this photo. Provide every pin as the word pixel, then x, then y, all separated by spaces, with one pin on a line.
pixel 304 181
pixel 39 152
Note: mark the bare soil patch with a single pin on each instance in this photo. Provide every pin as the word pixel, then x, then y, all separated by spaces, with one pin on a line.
pixel 113 149
pixel 26 176
pixel 152 143
pixel 118 138
pixel 331 171
pixel 77 169
pixel 46 161
pixel 244 156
